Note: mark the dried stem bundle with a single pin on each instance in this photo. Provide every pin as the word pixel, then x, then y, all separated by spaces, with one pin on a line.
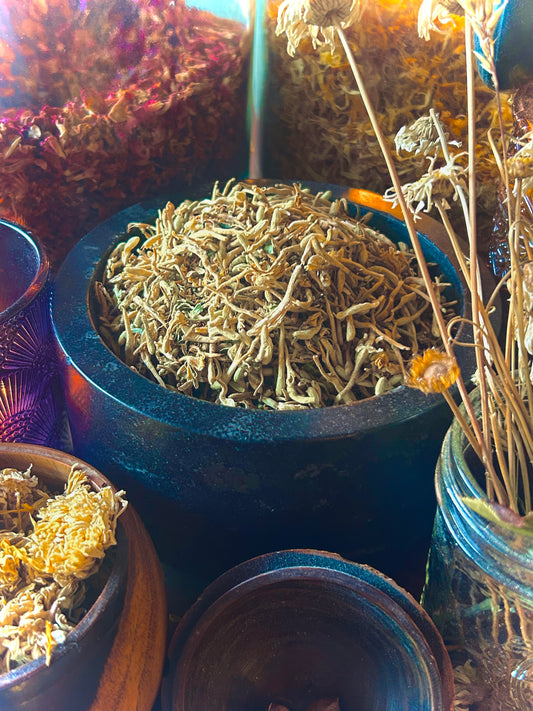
pixel 266 296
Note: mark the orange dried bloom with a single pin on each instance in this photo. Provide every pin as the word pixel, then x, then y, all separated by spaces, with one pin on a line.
pixel 433 372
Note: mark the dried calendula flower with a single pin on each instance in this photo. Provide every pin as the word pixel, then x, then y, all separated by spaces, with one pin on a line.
pixel 433 14
pixel 433 372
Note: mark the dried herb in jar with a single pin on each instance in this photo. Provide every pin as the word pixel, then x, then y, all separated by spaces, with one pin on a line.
pixel 265 296
pixel 104 103
pixel 317 127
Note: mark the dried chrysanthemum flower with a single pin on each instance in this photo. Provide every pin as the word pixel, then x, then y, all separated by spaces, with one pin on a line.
pixel 433 372
pixel 74 529
pixel 421 137
pixel 316 19
pixel 432 12
pixel 44 565
pixel 469 688
pixel 20 492
pixel 437 185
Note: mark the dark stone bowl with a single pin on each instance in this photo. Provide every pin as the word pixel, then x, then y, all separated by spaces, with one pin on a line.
pixel 71 681
pixel 217 485
pixel 296 626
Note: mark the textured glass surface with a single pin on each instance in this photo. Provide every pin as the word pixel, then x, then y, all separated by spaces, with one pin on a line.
pixel 479 593
pixel 31 397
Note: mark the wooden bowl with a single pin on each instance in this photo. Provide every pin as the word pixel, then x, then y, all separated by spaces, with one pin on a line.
pixel 113 659
pixel 292 627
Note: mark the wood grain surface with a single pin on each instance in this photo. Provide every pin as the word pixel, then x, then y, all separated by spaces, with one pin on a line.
pixel 134 668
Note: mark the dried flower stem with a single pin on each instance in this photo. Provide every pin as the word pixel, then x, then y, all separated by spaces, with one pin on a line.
pixel 409 221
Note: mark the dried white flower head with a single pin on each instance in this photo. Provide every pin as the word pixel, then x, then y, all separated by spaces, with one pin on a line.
pixel 421 137
pixel 527 305
pixel 520 165
pixel 437 185
pixel 433 14
pixel 316 19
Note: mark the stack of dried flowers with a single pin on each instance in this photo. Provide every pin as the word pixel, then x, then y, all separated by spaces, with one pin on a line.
pixel 104 103
pixel 50 544
pixel 266 296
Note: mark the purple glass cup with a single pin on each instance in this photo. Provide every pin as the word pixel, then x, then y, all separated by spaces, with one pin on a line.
pixel 31 396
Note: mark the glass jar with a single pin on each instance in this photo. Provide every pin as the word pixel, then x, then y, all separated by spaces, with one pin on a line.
pixel 106 102
pixel 479 591
pixel 499 257
pixel 32 403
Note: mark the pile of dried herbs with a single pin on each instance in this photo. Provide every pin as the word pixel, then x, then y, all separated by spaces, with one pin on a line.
pixel 103 102
pixel 317 125
pixel 265 296
pixel 50 545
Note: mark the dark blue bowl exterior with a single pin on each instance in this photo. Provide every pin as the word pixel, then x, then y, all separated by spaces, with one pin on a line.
pixel 216 485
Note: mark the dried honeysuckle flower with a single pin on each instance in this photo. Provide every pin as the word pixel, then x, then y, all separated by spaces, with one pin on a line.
pixel 315 19
pixel 438 184
pixel 432 12
pixel 265 296
pixel 433 372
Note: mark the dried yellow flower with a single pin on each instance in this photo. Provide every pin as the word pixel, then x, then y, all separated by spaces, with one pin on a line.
pixel 433 372
pixel 520 165
pixel 422 137
pixel 74 529
pixel 48 546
